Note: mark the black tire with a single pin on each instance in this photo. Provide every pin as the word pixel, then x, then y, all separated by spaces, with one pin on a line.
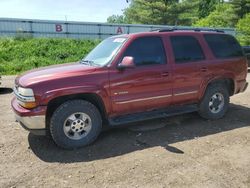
pixel 63 112
pixel 204 109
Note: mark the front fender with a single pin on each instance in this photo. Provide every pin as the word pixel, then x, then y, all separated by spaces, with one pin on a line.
pixel 74 90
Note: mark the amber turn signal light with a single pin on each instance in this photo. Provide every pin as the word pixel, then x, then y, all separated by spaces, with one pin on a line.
pixel 28 105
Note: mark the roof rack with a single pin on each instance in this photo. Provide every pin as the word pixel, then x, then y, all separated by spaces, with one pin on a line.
pixel 188 29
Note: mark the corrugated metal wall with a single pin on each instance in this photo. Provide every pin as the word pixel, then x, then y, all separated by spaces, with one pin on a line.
pixel 45 28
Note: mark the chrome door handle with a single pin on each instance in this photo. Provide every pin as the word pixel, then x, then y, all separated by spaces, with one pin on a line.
pixel 204 69
pixel 164 74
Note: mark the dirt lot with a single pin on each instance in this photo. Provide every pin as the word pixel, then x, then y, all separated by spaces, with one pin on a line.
pixel 187 152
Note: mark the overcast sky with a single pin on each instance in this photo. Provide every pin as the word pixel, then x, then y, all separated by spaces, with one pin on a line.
pixel 73 10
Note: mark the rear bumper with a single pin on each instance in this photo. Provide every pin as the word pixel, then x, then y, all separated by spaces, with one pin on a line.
pixel 33 120
pixel 241 86
pixel 245 87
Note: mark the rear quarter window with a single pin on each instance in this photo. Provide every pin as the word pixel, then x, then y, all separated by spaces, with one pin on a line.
pixel 223 46
pixel 246 50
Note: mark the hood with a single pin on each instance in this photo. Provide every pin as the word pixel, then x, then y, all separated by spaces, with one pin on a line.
pixel 53 72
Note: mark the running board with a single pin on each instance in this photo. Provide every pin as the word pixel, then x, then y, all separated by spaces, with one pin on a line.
pixel 161 113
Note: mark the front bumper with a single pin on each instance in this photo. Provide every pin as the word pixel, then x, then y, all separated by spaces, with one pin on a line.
pixel 33 124
pixel 33 120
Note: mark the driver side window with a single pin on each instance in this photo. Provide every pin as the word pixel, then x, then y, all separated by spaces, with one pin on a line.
pixel 147 51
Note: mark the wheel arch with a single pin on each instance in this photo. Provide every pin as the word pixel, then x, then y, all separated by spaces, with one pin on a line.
pixel 93 98
pixel 228 82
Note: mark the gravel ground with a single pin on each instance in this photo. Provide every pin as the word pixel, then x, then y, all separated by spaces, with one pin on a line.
pixel 187 151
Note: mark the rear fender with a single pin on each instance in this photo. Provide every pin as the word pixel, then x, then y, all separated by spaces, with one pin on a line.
pixel 214 79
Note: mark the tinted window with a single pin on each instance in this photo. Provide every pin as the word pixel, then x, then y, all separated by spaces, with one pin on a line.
pixel 223 46
pixel 186 49
pixel 147 51
pixel 246 49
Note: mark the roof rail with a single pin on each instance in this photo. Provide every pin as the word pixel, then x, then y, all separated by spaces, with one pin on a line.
pixel 188 29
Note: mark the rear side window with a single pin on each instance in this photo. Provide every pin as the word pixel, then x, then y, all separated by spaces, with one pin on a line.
pixel 246 50
pixel 186 49
pixel 223 46
pixel 147 51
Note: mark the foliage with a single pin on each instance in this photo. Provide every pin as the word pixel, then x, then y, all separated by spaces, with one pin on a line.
pixel 119 19
pixel 185 12
pixel 198 13
pixel 241 7
pixel 222 16
pixel 206 7
pixel 20 54
pixel 164 12
pixel 243 28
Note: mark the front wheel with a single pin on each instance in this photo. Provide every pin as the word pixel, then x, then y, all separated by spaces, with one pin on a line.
pixel 75 124
pixel 215 102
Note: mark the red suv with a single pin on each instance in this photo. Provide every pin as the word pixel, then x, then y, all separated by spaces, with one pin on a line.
pixel 131 78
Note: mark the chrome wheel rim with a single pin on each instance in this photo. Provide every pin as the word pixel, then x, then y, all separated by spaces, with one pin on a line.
pixel 77 126
pixel 216 103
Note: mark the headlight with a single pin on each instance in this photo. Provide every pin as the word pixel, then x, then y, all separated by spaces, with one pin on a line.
pixel 25 97
pixel 26 92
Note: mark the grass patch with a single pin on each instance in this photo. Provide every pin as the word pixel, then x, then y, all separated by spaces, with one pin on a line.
pixel 21 54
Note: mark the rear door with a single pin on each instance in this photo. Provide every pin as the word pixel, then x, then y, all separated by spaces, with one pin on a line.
pixel 148 85
pixel 187 57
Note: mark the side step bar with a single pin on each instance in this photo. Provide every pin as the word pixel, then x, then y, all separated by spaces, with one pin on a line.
pixel 166 112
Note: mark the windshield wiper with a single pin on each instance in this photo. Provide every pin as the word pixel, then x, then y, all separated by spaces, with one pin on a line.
pixel 87 62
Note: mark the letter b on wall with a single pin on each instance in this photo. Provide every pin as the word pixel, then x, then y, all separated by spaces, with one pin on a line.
pixel 58 28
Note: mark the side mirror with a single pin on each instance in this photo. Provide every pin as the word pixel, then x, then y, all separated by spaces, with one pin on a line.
pixel 127 62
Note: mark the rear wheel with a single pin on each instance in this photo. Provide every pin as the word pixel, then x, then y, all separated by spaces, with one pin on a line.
pixel 215 102
pixel 75 124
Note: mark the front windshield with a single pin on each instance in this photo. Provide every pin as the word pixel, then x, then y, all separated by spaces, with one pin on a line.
pixel 104 52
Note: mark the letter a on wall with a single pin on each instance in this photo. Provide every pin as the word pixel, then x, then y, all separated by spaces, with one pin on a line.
pixel 119 30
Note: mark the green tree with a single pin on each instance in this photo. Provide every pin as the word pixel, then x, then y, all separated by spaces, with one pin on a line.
pixel 119 19
pixel 241 7
pixel 206 7
pixel 145 12
pixel 222 16
pixel 185 13
pixel 164 12
pixel 243 30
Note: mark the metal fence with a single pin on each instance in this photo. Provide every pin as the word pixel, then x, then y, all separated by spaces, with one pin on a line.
pixel 68 29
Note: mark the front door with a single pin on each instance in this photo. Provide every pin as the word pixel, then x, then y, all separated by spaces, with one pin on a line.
pixel 147 86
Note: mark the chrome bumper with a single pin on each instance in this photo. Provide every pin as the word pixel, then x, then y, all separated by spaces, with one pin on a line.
pixel 32 122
